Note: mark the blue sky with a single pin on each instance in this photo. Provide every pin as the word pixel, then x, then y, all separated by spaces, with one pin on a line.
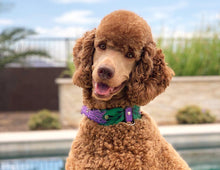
pixel 71 18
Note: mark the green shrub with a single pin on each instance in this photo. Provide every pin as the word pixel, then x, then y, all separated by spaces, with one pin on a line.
pixel 70 68
pixel 44 120
pixel 193 114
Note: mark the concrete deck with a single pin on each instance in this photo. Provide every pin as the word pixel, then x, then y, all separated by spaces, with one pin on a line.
pixel 10 137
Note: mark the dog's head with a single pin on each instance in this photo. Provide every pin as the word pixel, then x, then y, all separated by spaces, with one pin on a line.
pixel 121 57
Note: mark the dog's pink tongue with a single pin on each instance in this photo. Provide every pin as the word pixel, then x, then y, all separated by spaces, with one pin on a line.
pixel 102 89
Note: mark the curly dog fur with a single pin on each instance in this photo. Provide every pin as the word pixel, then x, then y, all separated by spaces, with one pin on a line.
pixel 138 73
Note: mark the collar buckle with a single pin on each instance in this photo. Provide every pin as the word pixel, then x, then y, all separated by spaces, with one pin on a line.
pixel 128 114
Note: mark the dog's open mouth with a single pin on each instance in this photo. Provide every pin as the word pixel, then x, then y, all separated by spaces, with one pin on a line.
pixel 103 90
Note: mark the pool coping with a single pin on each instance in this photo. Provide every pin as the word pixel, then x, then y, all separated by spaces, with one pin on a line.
pixel 69 134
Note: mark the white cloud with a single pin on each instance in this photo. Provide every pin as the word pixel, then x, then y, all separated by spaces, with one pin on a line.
pixel 164 12
pixel 169 8
pixel 160 15
pixel 6 22
pixel 73 32
pixel 169 32
pixel 76 1
pixel 218 16
pixel 77 17
pixel 164 21
pixel 207 16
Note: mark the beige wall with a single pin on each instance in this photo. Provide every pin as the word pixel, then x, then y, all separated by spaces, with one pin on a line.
pixel 202 91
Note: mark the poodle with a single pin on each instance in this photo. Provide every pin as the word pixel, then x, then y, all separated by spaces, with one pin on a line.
pixel 119 68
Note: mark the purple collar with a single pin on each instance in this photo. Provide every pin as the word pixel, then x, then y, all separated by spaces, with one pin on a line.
pixel 112 116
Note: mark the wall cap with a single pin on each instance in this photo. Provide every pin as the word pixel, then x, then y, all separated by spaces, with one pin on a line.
pixel 196 79
pixel 63 81
pixel 177 79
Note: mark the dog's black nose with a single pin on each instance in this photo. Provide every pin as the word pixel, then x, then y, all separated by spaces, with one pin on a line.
pixel 105 72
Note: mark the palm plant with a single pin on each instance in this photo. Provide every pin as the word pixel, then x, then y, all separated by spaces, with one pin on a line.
pixel 8 38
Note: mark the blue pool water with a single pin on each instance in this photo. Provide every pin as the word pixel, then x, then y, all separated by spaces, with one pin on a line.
pixel 33 164
pixel 53 163
pixel 206 167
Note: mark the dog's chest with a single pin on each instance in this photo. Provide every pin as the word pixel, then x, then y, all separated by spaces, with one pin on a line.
pixel 120 147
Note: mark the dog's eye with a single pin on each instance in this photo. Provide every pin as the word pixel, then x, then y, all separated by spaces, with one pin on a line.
pixel 129 55
pixel 102 46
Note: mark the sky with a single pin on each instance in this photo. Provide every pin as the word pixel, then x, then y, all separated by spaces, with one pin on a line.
pixel 71 18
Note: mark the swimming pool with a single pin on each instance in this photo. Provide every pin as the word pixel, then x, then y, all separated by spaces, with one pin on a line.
pixel 202 159
pixel 47 150
pixel 58 163
pixel 199 159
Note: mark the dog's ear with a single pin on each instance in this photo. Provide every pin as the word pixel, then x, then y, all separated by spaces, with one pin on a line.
pixel 150 77
pixel 83 57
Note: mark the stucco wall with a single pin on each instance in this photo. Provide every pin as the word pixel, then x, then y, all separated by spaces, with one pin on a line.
pixel 202 91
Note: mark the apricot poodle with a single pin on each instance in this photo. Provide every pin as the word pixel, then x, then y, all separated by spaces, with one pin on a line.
pixel 120 69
